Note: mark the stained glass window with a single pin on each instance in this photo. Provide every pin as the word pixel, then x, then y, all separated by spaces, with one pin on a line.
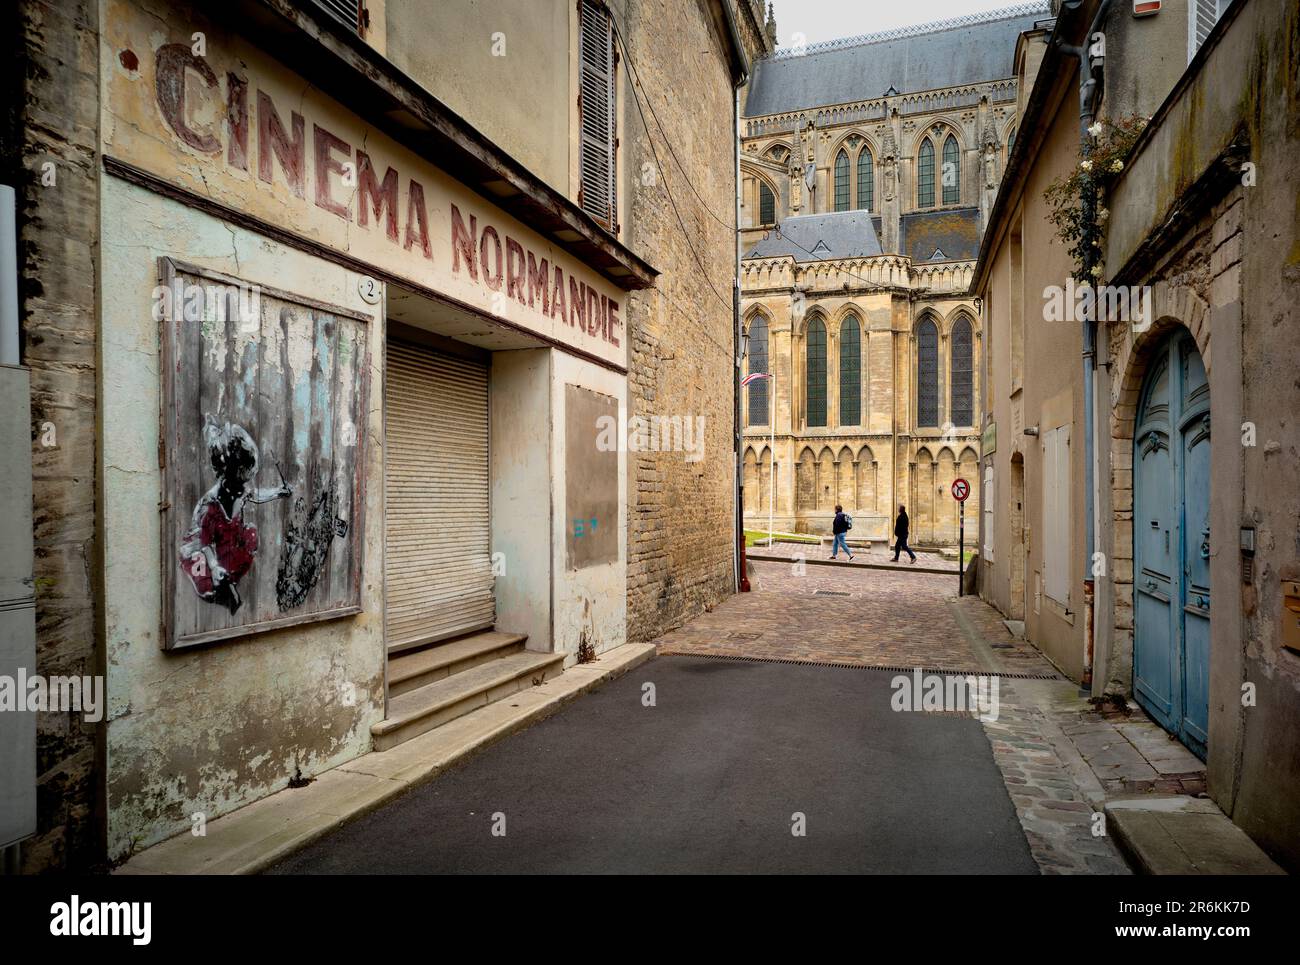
pixel 925 175
pixel 850 372
pixel 816 373
pixel 927 374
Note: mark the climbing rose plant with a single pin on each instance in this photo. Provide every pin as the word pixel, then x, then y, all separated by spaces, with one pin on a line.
pixel 1099 165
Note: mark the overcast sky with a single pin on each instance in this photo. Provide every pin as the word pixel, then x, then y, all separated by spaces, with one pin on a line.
pixel 820 20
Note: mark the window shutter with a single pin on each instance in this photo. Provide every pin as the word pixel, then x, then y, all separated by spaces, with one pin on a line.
pixel 1203 15
pixel 987 496
pixel 597 146
pixel 1056 514
pixel 346 11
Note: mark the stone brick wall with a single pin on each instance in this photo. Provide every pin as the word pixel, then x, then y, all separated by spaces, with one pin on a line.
pixel 679 175
pixel 53 58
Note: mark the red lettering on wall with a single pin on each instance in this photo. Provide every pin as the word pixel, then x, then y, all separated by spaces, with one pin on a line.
pixel 417 220
pixel 462 242
pixel 515 271
pixel 538 275
pixel 557 296
pixel 169 88
pixel 272 139
pixel 577 304
pixel 614 323
pixel 237 121
pixel 326 164
pixel 371 197
pixel 491 279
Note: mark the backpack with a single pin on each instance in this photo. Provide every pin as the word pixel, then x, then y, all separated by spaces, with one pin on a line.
pixel 848 520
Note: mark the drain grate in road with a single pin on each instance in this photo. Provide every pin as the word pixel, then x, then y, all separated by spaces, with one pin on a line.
pixel 839 665
pixel 832 593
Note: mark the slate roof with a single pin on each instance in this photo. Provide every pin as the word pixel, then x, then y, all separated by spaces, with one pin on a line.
pixel 954 233
pixel 947 53
pixel 819 237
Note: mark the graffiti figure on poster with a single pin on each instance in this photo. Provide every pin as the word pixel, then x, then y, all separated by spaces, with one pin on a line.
pixel 219 548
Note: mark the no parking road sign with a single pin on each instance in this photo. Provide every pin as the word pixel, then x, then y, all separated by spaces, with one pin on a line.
pixel 960 490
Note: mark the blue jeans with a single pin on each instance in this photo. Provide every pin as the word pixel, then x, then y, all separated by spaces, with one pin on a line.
pixel 840 541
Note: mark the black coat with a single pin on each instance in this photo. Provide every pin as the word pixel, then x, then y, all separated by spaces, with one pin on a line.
pixel 900 526
pixel 841 524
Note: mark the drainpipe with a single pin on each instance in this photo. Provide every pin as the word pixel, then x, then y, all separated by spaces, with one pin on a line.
pixel 1091 85
pixel 739 78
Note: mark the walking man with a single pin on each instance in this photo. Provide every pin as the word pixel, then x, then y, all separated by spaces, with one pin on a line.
pixel 839 528
pixel 900 534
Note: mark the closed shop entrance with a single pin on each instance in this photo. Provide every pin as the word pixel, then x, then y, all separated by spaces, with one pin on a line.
pixel 437 565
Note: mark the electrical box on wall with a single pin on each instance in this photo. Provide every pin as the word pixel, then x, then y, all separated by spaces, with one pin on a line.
pixel 1291 615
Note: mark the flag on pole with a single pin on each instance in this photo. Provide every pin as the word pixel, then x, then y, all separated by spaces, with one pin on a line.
pixel 754 376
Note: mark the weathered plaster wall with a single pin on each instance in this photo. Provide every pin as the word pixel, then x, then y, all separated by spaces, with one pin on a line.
pixel 1231 275
pixel 590 602
pixel 522 492
pixel 513 87
pixel 212 729
pixel 51 119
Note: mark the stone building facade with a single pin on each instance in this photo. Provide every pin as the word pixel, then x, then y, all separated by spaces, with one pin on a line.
pixel 869 166
pixel 495 237
pixel 1174 580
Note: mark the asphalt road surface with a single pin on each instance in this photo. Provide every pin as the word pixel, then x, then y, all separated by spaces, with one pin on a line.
pixel 707 780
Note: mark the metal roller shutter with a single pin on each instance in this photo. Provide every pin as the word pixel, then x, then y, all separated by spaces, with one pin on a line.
pixel 437 566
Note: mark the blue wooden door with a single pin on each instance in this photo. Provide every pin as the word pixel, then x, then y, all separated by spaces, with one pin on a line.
pixel 1171 543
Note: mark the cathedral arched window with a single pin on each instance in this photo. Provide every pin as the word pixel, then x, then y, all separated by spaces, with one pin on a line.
pixel 927 374
pixel 758 363
pixel 815 372
pixel 850 372
pixel 866 181
pixel 766 204
pixel 1011 143
pixel 962 374
pixel 951 171
pixel 842 181
pixel 925 175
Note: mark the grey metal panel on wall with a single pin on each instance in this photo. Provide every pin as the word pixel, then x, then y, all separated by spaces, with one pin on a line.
pixel 17 605
pixel 438 565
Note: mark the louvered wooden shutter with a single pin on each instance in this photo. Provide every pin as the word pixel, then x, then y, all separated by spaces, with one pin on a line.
pixel 437 566
pixel 347 11
pixel 597 147
pixel 1204 15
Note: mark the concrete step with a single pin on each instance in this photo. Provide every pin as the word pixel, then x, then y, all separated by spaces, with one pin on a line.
pixel 412 671
pixel 1183 835
pixel 434 704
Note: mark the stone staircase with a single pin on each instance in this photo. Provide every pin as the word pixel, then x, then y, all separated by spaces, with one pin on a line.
pixel 427 688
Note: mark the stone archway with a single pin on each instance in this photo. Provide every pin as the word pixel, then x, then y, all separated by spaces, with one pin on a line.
pixel 1132 357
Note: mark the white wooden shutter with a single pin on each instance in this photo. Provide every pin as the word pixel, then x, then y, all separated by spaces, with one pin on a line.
pixel 437 567
pixel 1056 514
pixel 596 153
pixel 987 496
pixel 1202 16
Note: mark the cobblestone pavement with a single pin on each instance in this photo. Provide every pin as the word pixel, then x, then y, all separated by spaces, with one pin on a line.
pixel 876 555
pixel 872 618
pixel 1061 757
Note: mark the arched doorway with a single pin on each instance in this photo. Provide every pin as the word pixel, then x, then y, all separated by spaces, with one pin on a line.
pixel 1171 541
